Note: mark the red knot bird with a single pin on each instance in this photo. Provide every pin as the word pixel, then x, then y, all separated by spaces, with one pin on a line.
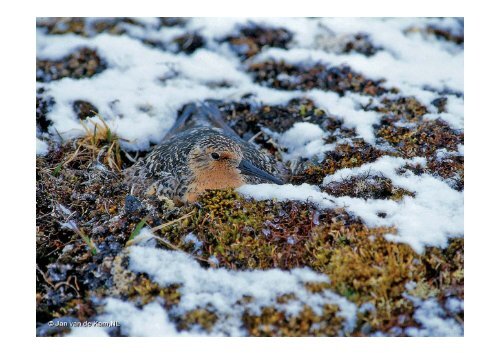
pixel 201 153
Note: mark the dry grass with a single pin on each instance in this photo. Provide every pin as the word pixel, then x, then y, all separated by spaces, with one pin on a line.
pixel 98 144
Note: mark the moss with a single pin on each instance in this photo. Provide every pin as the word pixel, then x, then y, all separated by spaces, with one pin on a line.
pixel 362 265
pixel 79 25
pixel 282 75
pixel 344 156
pixel 203 318
pixel 83 63
pixel 251 39
pixel 272 322
pixel 243 234
pixel 420 137
pixel 367 187
pixel 84 109
pixel 92 198
pixel 439 32
pixel 144 291
pixel 249 116
pixel 407 109
pixel 246 234
pixel 43 105
pixel 347 43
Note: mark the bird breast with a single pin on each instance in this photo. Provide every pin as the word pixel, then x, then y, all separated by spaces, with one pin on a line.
pixel 210 179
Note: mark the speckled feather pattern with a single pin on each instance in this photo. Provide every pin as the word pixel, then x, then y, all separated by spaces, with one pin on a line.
pixel 165 170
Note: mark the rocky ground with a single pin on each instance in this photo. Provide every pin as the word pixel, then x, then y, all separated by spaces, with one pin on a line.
pixel 89 226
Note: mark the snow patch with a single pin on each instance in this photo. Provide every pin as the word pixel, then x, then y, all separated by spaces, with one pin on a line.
pixel 221 290
pixel 432 318
pixel 303 140
pixel 42 148
pixel 433 216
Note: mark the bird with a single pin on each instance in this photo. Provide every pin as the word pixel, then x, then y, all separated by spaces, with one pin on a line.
pixel 201 152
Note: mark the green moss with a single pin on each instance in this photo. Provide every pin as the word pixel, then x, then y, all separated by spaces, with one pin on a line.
pixel 243 234
pixel 272 322
pixel 362 265
pixel 246 234
pixel 200 317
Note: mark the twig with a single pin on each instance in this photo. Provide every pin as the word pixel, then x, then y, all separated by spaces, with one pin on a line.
pixel 172 246
pixel 255 136
pixel 161 226
pixel 48 281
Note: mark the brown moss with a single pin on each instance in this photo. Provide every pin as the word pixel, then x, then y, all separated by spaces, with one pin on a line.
pixel 81 26
pixel 344 156
pixel 72 189
pixel 439 32
pixel 422 140
pixel 402 109
pixel 347 43
pixel 83 63
pixel 281 75
pixel 247 117
pixel 251 39
pixel 362 265
pixel 43 105
pixel 367 187
pixel 84 109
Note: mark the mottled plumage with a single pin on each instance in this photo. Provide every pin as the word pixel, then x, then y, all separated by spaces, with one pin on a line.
pixel 201 152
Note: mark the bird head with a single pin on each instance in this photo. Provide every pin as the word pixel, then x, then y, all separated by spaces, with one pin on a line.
pixel 220 161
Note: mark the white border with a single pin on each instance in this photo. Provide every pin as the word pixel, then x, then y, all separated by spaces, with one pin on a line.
pixel 18 191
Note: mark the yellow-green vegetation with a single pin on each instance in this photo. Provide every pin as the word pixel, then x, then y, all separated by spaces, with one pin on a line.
pixel 86 215
pixel 363 266
pixel 241 234
pixel 275 323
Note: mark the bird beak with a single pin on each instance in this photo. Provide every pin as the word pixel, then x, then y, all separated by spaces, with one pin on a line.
pixel 249 169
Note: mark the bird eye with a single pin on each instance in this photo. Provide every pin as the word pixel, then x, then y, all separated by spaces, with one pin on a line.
pixel 215 155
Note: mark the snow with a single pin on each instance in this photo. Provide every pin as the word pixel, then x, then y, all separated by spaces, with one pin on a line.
pixel 221 290
pixel 407 60
pixel 433 216
pixel 430 218
pixel 454 114
pixel 193 239
pixel 303 140
pixel 432 318
pixel 348 108
pixel 410 62
pixel 454 305
pixel 42 148
pixel 143 87
pixel 151 320
pixel 303 193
